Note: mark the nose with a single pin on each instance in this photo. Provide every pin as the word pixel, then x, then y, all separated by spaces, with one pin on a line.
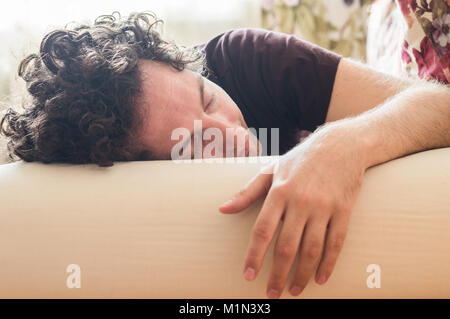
pixel 235 137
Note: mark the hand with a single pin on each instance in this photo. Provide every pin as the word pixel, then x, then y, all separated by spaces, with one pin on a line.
pixel 313 188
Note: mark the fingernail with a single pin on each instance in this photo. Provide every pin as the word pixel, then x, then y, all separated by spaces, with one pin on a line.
pixel 273 294
pixel 249 273
pixel 295 290
pixel 227 202
pixel 321 280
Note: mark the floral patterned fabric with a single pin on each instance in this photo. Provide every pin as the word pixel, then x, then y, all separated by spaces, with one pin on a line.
pixel 337 25
pixel 400 37
pixel 410 37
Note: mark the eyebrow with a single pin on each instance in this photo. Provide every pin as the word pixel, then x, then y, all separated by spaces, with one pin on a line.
pixel 201 89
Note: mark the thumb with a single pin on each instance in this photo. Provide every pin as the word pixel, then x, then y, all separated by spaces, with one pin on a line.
pixel 258 186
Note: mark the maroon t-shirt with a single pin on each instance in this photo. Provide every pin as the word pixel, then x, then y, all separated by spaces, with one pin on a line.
pixel 277 80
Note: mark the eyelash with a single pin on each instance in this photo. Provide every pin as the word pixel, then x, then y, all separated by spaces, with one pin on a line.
pixel 210 102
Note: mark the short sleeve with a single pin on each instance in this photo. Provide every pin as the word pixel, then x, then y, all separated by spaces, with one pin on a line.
pixel 278 80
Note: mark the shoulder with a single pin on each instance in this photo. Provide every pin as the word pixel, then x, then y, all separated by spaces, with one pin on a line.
pixel 236 37
pixel 226 48
pixel 236 40
pixel 255 45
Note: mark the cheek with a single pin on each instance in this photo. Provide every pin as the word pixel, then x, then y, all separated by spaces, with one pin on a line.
pixel 227 107
pixel 232 110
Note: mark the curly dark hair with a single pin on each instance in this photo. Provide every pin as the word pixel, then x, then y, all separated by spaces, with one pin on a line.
pixel 84 84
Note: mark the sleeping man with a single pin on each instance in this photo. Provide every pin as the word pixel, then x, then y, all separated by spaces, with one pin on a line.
pixel 116 91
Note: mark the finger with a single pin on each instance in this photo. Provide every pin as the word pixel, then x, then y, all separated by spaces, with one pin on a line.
pixel 336 233
pixel 311 247
pixel 286 249
pixel 262 234
pixel 258 186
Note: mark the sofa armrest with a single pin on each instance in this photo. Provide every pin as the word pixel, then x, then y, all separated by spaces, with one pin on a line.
pixel 153 230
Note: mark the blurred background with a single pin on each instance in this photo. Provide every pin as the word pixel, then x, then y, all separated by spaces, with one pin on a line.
pixel 333 24
pixel 187 22
pixel 400 37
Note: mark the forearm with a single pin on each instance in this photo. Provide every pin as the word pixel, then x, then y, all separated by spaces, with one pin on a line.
pixel 414 120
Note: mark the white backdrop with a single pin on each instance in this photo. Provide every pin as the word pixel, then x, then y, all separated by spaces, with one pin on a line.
pixel 187 22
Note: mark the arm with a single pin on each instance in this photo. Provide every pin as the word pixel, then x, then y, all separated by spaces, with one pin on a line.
pixel 314 186
pixel 399 116
pixel 366 87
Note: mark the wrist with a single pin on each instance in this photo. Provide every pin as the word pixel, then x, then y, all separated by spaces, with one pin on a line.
pixel 357 139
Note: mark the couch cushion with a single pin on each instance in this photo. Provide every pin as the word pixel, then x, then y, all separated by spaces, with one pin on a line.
pixel 153 230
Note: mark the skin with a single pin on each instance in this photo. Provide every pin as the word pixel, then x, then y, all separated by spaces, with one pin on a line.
pixel 174 99
pixel 310 191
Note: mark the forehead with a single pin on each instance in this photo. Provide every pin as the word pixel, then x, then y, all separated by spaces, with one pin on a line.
pixel 170 99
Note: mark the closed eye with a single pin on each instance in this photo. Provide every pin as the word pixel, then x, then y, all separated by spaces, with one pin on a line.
pixel 211 102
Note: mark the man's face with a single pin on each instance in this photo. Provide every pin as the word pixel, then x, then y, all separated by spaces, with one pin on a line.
pixel 173 99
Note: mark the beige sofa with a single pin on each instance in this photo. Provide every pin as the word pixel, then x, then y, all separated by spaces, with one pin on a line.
pixel 153 230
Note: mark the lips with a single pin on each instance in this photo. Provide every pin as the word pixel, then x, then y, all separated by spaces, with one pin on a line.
pixel 247 146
